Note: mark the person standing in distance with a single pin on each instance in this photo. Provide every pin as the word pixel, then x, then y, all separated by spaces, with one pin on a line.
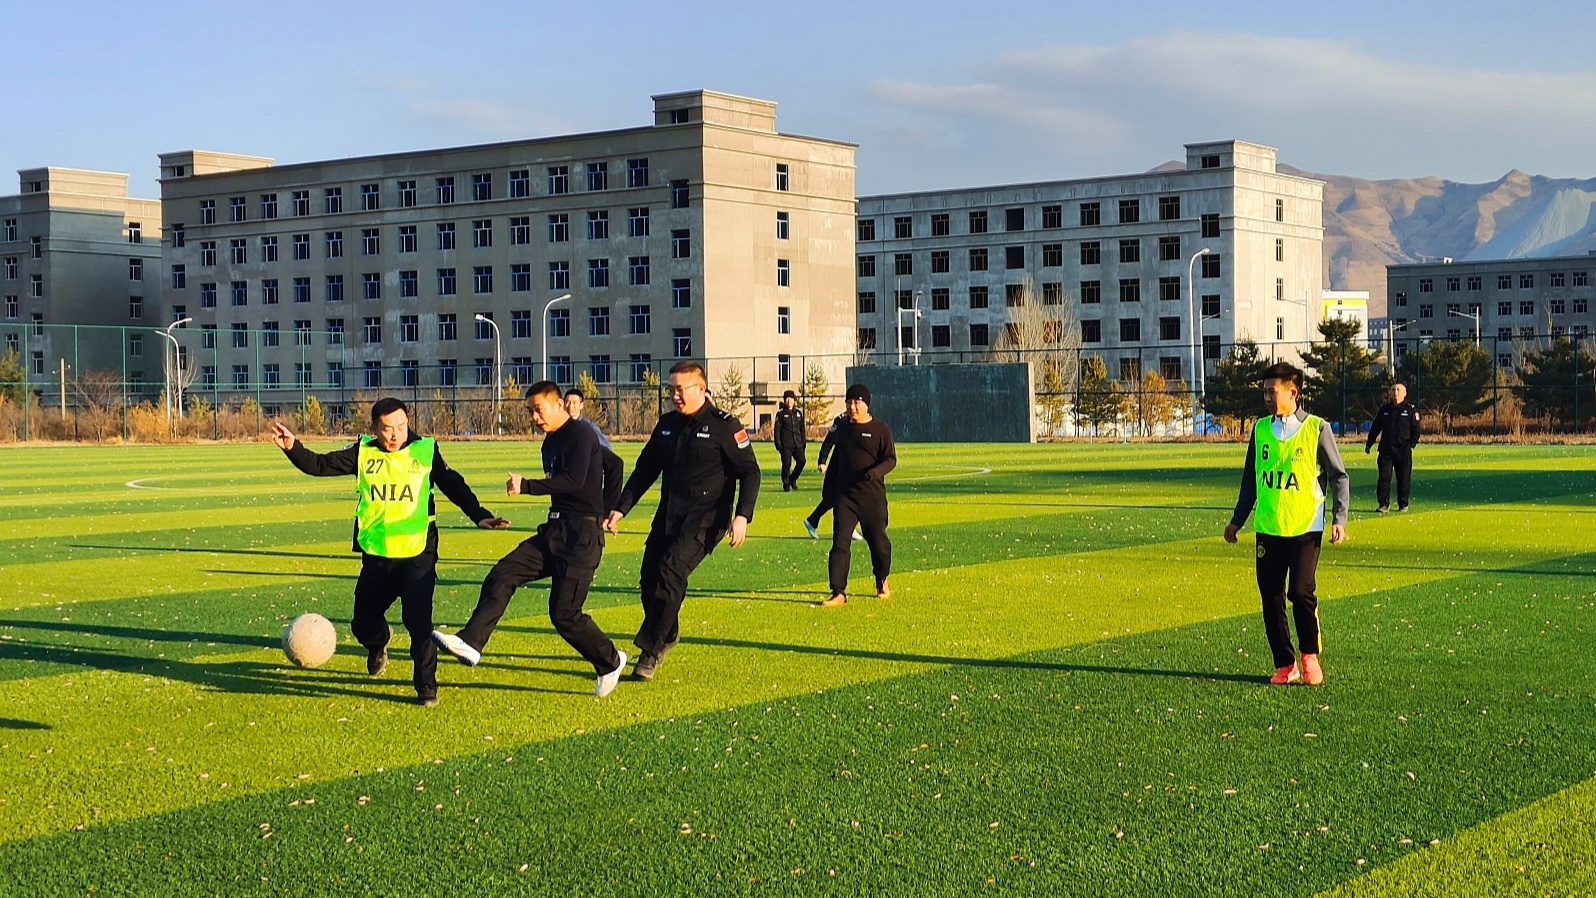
pixel 706 466
pixel 396 530
pixel 1396 425
pixel 787 432
pixel 579 475
pixel 1292 465
pixel 865 455
pixel 575 404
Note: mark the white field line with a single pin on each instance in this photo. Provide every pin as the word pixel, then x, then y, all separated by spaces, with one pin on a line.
pixel 969 472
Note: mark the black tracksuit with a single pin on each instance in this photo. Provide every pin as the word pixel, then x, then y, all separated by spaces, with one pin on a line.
pixel 828 482
pixel 706 464
pixel 581 477
pixel 1396 426
pixel 787 432
pixel 865 455
pixel 409 580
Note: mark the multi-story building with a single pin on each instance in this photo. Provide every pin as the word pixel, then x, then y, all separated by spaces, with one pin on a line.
pixel 1119 253
pixel 80 284
pixel 1513 302
pixel 706 235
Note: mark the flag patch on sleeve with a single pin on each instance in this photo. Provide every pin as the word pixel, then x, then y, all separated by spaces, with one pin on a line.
pixel 742 438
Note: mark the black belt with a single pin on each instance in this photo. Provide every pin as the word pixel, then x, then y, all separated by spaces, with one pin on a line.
pixel 567 516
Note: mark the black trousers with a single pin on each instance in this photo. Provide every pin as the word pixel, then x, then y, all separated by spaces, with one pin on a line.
pixel 793 458
pixel 869 512
pixel 410 581
pixel 668 560
pixel 1401 462
pixel 567 550
pixel 1287 566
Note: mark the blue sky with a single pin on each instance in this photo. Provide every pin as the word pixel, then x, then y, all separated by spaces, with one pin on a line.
pixel 937 94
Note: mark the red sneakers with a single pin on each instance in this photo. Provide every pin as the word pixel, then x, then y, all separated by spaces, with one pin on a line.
pixel 1311 671
pixel 1288 674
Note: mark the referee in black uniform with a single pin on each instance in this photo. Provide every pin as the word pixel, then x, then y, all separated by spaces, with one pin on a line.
pixel 579 475
pixel 787 432
pixel 706 465
pixel 1396 426
pixel 865 455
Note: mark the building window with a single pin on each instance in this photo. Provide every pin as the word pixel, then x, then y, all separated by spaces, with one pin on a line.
pixel 1130 211
pixel 135 308
pixel 865 229
pixel 681 342
pixel 1210 305
pixel 637 221
pixel 443 189
pixel 445 231
pixel 1091 330
pixel 559 179
pixel 208 253
pixel 679 194
pixel 241 376
pixel 409 284
pixel 1168 208
pixel 598 273
pixel 559 228
pixel 1091 292
pixel 1526 307
pixel 1169 328
pixel 482 327
pixel 637 271
pixel 1280 210
pixel 446 282
pixel 1091 252
pixel 520 324
pixel 640 363
pixel 979 335
pixel 978 259
pixel 1426 311
pixel 1280 328
pixel 370 198
pixel 902 227
pixel 598 225
pixel 639 320
pixel 1210 224
pixel 301 289
pixel 207 211
pixel 207 295
pixel 681 244
pixel 939 225
pixel 238 252
pixel 783 319
pixel 559 276
pixel 1581 279
pixel 902 264
pixel 1169 288
pixel 559 322
pixel 520 278
pixel 1280 288
pixel 335 244
pixel 481 187
pixel 482 279
pixel 1211 265
pixel 979 297
pixel 239 292
pixel 1474 282
pixel 1091 214
pixel 1130 290
pixel 1052 217
pixel 37 245
pixel 939 261
pixel 335 288
pixel 370 245
pixel 1426 285
pixel 448 327
pixel 1504 308
pixel 302 375
pixel 681 293
pixel 1557 306
pixel 270 334
pixel 783 273
pixel 407 193
pixel 302 332
pixel 482 233
pixel 11 268
pixel 1130 330
pixel 637 173
pixel 1130 251
pixel 977 221
pixel 782 225
pixel 782 181
pixel 867 302
pixel 333 200
pixel 135 269
pixel 598 176
pixel 1169 249
pixel 1526 282
pixel 1013 295
pixel 335 332
pixel 268 249
pixel 1013 257
pixel 372 375
pixel 520 184
pixel 240 336
pixel 903 299
pixel 1504 282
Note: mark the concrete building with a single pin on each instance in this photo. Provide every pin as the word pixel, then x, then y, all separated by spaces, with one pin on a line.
pixel 706 235
pixel 78 274
pixel 1119 252
pixel 1518 302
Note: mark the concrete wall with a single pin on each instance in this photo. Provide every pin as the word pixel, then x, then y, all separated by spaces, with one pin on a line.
pixel 951 403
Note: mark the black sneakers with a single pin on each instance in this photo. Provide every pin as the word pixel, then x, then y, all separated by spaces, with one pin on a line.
pixel 377 659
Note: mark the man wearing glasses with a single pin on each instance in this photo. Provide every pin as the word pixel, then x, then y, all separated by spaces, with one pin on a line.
pixel 706 466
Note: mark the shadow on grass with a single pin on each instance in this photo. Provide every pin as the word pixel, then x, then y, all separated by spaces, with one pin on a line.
pixel 11 723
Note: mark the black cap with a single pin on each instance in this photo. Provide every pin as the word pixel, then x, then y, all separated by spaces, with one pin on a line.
pixel 789 395
pixel 860 392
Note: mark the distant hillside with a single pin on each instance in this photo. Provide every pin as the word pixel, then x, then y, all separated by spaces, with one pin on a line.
pixel 1371 224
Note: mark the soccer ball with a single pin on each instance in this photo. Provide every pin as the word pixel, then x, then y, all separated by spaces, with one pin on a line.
pixel 309 640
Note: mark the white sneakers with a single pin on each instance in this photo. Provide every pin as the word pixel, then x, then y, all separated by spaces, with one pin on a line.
pixel 457 647
pixel 604 684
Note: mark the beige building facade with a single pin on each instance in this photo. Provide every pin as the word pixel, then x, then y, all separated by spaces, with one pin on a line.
pixel 1120 252
pixel 80 279
pixel 705 235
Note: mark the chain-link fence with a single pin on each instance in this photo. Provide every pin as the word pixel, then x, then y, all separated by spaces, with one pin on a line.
pixel 95 383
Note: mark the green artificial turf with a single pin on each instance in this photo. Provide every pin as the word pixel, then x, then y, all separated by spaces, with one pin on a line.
pixel 1065 696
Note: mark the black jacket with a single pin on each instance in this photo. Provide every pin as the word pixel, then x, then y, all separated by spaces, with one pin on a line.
pixel 787 430
pixel 1396 426
pixel 344 462
pixel 705 463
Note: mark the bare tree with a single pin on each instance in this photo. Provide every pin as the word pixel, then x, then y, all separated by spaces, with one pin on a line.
pixel 1042 329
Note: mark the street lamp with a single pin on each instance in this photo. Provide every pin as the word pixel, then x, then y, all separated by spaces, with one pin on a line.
pixel 1391 339
pixel 916 313
pixel 498 371
pixel 546 306
pixel 1475 316
pixel 1196 334
pixel 174 379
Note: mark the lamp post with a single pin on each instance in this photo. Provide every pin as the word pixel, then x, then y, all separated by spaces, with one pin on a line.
pixel 1472 315
pixel 546 306
pixel 498 371
pixel 901 312
pixel 174 372
pixel 1391 340
pixel 1196 334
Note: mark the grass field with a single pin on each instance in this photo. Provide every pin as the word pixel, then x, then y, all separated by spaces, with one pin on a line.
pixel 1065 696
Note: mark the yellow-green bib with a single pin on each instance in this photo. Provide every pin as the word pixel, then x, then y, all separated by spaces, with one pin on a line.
pixel 1287 472
pixel 395 488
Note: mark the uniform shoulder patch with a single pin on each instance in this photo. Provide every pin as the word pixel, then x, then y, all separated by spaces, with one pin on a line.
pixel 742 438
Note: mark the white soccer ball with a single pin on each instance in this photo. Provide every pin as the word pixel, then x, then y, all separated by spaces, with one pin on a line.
pixel 309 640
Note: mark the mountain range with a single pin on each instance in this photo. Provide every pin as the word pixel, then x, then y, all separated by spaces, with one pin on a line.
pixel 1371 224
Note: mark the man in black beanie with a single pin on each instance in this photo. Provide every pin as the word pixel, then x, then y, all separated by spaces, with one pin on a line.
pixel 787 431
pixel 865 453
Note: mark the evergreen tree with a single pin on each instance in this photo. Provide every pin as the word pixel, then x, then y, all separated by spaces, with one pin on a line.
pixel 1448 378
pixel 1095 403
pixel 1342 384
pixel 1555 382
pixel 11 376
pixel 816 396
pixel 1232 391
